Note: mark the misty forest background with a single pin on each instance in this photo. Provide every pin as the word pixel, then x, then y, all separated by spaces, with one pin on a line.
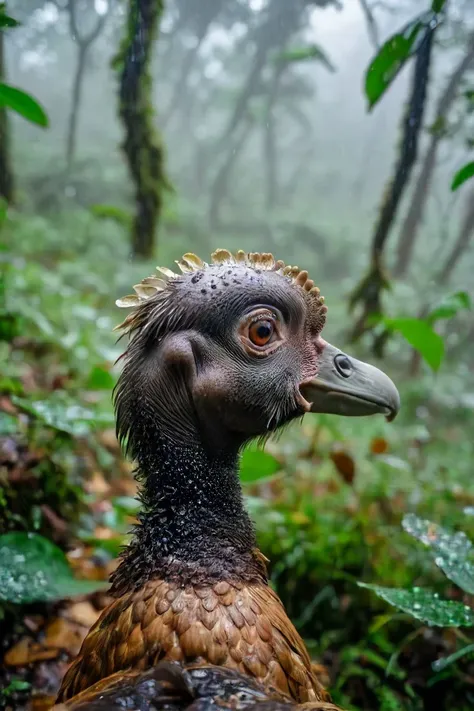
pixel 337 134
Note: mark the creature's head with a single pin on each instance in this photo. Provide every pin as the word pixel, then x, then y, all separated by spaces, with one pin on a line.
pixel 232 350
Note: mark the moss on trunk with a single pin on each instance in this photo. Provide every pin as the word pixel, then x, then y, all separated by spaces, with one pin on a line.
pixel 142 146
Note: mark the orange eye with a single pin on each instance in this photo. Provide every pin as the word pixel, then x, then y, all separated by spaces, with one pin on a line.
pixel 260 332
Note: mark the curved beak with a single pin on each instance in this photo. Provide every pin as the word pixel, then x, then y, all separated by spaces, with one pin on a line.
pixel 346 386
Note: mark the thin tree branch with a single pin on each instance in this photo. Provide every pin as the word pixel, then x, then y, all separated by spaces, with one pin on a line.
pixel 372 28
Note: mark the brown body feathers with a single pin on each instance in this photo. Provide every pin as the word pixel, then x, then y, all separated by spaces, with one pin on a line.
pixel 240 627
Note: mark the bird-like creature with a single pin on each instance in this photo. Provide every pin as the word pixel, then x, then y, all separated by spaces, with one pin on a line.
pixel 171 686
pixel 218 355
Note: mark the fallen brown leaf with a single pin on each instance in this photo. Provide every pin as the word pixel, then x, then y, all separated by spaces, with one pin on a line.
pixel 64 634
pixel 344 464
pixel 27 651
pixel 41 702
pixel 379 445
pixel 83 613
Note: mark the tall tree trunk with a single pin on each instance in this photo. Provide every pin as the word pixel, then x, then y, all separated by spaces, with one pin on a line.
pixel 204 14
pixel 220 184
pixel 281 22
pixel 75 103
pixel 270 151
pixel 7 185
pixel 142 147
pixel 84 43
pixel 466 231
pixel 181 84
pixel 368 293
pixel 415 212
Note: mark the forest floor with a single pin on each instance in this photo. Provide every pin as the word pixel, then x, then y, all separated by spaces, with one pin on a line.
pixel 328 497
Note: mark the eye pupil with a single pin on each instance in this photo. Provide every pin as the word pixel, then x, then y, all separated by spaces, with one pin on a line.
pixel 261 332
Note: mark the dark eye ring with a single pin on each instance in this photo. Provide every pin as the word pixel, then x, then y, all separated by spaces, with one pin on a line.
pixel 343 365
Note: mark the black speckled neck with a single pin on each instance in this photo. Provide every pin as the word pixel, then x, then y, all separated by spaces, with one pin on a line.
pixel 193 525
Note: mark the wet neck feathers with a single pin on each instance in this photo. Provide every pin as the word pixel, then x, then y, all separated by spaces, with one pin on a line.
pixel 193 526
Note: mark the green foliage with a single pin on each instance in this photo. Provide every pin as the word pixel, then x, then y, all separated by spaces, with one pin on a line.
pixel 420 333
pixel 256 465
pixel 450 306
pixel 421 336
pixel 451 552
pixel 34 569
pixel 441 664
pixel 6 22
pixel 23 104
pixel 303 54
pixel 112 212
pixel 394 54
pixel 62 413
pixel 13 686
pixel 426 606
pixel 463 174
pixel 438 5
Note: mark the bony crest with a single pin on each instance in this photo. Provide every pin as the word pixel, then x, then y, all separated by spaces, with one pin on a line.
pixel 151 286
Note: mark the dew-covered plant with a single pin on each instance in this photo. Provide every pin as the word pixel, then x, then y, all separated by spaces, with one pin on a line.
pixel 453 554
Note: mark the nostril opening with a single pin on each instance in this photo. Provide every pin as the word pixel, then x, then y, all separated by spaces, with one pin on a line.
pixel 343 365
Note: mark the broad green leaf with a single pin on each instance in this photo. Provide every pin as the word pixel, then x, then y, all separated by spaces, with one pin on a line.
pixel 256 465
pixel 34 569
pixel 437 5
pixel 23 104
pixel 450 550
pixel 393 55
pixel 465 173
pixel 303 54
pixel 450 306
pixel 426 606
pixel 6 20
pixel 420 336
pixel 100 379
pixel 444 662
pixel 62 414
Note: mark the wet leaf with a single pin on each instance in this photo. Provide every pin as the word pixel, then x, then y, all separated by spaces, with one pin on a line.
pixel 420 335
pixel 23 104
pixel 464 174
pixel 344 464
pixel 393 55
pixel 62 414
pixel 32 568
pixel 426 606
pixel 257 465
pixel 450 306
pixel 5 20
pixel 450 550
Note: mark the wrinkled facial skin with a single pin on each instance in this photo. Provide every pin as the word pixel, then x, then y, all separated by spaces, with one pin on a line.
pixel 231 352
pixel 253 388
